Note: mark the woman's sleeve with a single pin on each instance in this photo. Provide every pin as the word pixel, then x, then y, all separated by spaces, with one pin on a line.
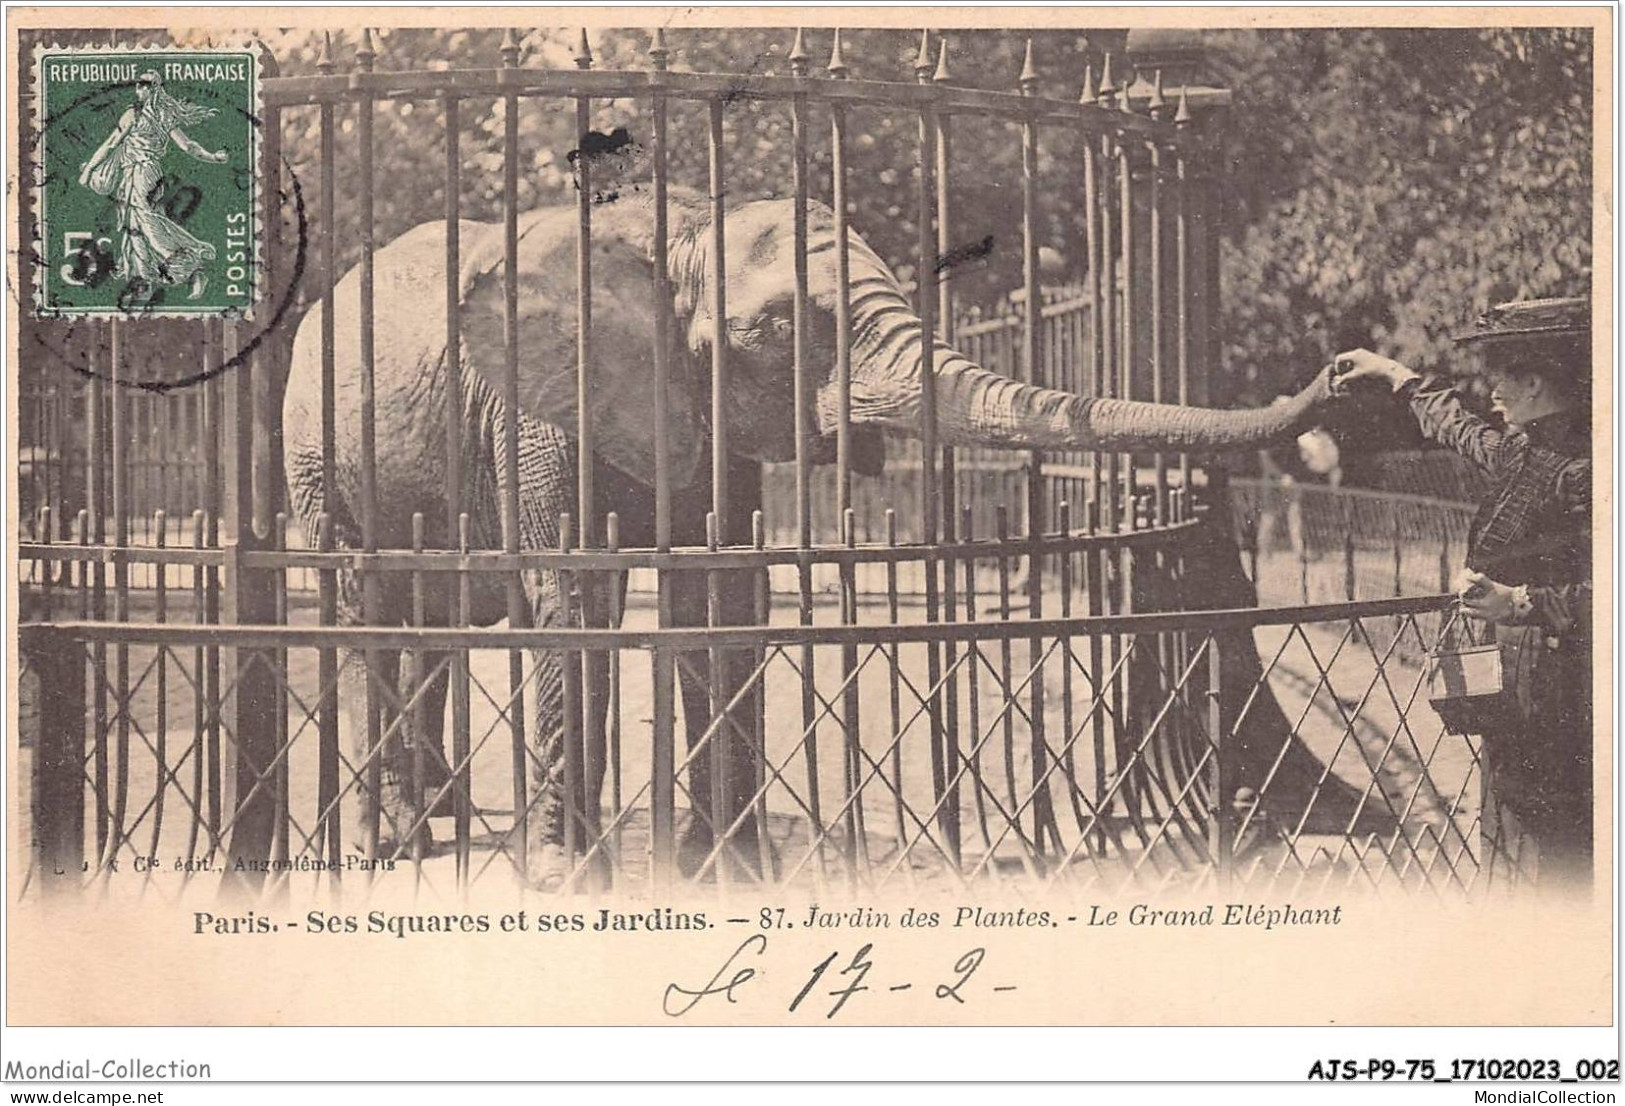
pixel 1441 415
pixel 1563 609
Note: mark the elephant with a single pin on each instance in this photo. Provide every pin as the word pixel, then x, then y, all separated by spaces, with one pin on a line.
pixel 975 406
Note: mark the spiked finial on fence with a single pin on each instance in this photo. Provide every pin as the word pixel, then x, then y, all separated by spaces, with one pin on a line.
pixel 799 56
pixel 1029 72
pixel 837 63
pixel 1182 115
pixel 365 52
pixel 324 63
pixel 583 54
pixel 1125 102
pixel 659 56
pixel 922 60
pixel 1158 103
pixel 1107 88
pixel 941 75
pixel 1088 95
pixel 509 48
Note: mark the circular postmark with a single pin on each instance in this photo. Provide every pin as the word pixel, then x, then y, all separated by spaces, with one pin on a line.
pixel 148 173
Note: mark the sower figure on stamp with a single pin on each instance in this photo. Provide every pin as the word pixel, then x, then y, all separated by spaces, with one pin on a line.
pixel 1528 570
pixel 153 250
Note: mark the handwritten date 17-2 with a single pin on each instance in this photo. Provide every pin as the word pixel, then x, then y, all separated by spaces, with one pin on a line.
pixel 830 984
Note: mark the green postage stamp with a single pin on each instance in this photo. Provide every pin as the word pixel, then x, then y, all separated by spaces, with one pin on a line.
pixel 147 188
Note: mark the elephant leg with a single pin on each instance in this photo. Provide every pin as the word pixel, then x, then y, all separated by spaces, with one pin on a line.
pixel 426 725
pixel 369 711
pixel 723 773
pixel 548 864
pixel 568 812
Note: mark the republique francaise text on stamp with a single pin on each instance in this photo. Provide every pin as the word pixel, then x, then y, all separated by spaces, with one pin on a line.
pixel 146 192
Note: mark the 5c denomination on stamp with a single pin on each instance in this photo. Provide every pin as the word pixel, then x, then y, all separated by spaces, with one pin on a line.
pixel 147 191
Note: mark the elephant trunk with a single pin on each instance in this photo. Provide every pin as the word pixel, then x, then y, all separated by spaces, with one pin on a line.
pixel 978 407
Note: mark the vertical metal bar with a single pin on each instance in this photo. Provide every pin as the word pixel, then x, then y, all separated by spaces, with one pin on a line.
pixel 1158 327
pixel 851 708
pixel 843 294
pixel 1107 322
pixel 662 778
pixel 50 569
pixel 718 522
pixel 269 367
pixel 1032 355
pixel 843 445
pixel 1294 506
pixel 1220 808
pixel 1094 567
pixel 721 740
pixel 805 386
pixel 894 698
pixel 454 413
pixel 928 303
pixel 165 435
pixel 1032 314
pixel 199 697
pixel 1069 754
pixel 1348 542
pixel 1399 549
pixel 517 614
pixel 1096 235
pixel 1204 262
pixel 371 793
pixel 612 542
pixel 662 352
pixel 121 584
pixel 279 658
pixel 460 737
pixel 89 579
pixel 1128 274
pixel 160 735
pixel 327 234
pixel 328 756
pixel 246 754
pixel 570 660
pixel 583 663
pixel 719 315
pixel 585 448
pixel 762 598
pixel 1007 692
pixel 213 406
pixel 949 511
pixel 416 673
pixel 58 781
pixel 327 722
pixel 973 679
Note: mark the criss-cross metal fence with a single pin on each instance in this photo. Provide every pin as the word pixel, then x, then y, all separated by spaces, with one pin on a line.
pixel 990 679
pixel 1104 786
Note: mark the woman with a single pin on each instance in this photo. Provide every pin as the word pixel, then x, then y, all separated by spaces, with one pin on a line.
pixel 1528 568
pixel 128 167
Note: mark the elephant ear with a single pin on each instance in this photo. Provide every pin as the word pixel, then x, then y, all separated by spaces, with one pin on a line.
pixel 622 394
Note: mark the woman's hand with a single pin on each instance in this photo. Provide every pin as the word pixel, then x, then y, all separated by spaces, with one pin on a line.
pixel 1483 598
pixel 1361 364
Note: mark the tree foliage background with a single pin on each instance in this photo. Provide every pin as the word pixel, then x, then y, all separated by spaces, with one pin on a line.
pixel 1383 186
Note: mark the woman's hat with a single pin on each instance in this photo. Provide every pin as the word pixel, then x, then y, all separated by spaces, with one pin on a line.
pixel 1526 321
